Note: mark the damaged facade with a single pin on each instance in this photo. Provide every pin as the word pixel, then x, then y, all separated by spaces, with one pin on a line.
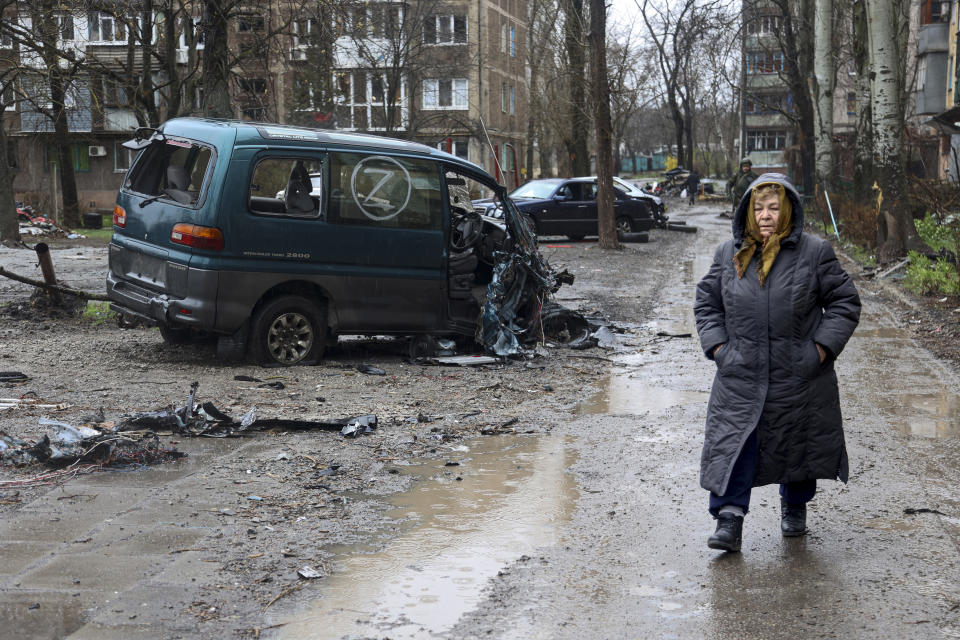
pixel 425 71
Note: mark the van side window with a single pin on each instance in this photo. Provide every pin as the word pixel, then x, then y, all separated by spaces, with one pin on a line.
pixel 385 191
pixel 173 170
pixel 287 186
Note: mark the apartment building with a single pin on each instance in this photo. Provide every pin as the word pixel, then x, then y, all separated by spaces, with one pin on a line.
pixel 449 74
pixel 768 135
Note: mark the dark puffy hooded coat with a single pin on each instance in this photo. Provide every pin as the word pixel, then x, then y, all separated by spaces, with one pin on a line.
pixel 769 365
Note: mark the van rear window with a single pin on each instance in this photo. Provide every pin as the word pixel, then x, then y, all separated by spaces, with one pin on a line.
pixel 172 169
pixel 384 191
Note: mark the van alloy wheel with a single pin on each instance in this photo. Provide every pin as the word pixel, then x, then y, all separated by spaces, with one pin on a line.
pixel 289 330
pixel 290 338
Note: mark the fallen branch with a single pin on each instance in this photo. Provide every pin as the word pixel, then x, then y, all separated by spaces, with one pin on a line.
pixel 86 295
pixel 285 592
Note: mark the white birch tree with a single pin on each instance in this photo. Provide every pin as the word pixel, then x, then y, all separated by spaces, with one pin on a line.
pixel 824 73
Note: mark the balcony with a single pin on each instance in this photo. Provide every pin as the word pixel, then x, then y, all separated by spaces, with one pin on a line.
pixel 933 38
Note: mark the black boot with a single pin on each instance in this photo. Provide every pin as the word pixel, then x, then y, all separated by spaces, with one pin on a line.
pixel 729 533
pixel 793 519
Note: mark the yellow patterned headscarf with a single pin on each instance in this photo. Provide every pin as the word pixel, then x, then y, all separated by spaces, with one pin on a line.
pixel 752 238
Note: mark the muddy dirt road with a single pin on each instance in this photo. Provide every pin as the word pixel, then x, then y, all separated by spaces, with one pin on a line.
pixel 578 515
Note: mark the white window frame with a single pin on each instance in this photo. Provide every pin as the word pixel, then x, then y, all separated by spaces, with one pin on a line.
pixel 459 94
pixel 503 38
pixel 119 151
pixel 368 104
pixel 62 18
pixel 448 20
pixel 195 22
pixel 103 17
pixel 771 139
pixel 503 97
pixel 301 40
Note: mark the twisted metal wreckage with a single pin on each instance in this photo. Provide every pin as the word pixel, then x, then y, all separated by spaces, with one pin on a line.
pixel 516 312
pixel 134 438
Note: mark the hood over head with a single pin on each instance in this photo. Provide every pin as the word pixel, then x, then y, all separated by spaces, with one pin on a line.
pixel 740 219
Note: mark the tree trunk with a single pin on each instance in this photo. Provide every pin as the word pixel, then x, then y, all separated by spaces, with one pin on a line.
pixel 216 53
pixel 9 225
pixel 863 154
pixel 578 153
pixel 824 82
pixel 601 104
pixel 893 217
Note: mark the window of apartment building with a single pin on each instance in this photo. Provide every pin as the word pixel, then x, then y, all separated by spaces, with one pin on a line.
pixel 851 103
pixel 198 98
pixel 764 25
pixel 766 140
pixel 9 97
pixel 81 158
pixel 254 93
pixel 64 25
pixel 445 93
pixel 302 29
pixel 122 157
pixel 385 21
pixel 513 101
pixel 109 92
pixel 459 148
pixel 921 72
pixel 250 23
pixel 759 62
pixel 503 97
pixel 445 29
pixel 6 41
pixel 513 41
pixel 192 31
pixel 934 11
pixel 106 27
pixel 361 100
pixel 503 38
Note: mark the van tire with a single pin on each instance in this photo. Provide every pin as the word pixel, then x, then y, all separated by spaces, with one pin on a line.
pixel 288 331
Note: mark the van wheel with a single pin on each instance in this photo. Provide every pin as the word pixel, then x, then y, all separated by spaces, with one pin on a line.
pixel 289 330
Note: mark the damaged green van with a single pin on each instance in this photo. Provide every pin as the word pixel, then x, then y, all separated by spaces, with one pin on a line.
pixel 278 239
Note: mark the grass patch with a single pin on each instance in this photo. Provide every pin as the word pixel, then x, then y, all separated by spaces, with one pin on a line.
pixel 98 313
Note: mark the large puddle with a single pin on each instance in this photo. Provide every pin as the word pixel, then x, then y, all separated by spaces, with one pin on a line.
pixel 513 494
pixel 624 395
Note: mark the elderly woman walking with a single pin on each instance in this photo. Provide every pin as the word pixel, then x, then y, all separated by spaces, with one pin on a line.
pixel 774 312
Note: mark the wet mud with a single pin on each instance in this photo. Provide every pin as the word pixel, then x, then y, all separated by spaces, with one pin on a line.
pixel 583 518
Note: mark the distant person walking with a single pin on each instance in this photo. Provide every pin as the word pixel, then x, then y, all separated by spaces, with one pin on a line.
pixel 774 312
pixel 693 185
pixel 739 182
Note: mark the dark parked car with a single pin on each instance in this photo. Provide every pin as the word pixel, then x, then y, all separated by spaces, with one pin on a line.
pixel 568 206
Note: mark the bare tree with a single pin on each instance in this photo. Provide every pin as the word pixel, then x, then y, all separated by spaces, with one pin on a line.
pixel 823 88
pixel 574 30
pixel 600 90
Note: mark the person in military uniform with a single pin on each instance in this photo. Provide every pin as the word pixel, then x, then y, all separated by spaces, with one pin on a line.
pixel 738 184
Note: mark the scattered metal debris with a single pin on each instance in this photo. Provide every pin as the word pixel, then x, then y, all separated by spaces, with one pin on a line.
pixel 371 370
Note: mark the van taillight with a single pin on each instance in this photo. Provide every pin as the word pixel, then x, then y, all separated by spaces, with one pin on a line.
pixel 119 216
pixel 193 235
